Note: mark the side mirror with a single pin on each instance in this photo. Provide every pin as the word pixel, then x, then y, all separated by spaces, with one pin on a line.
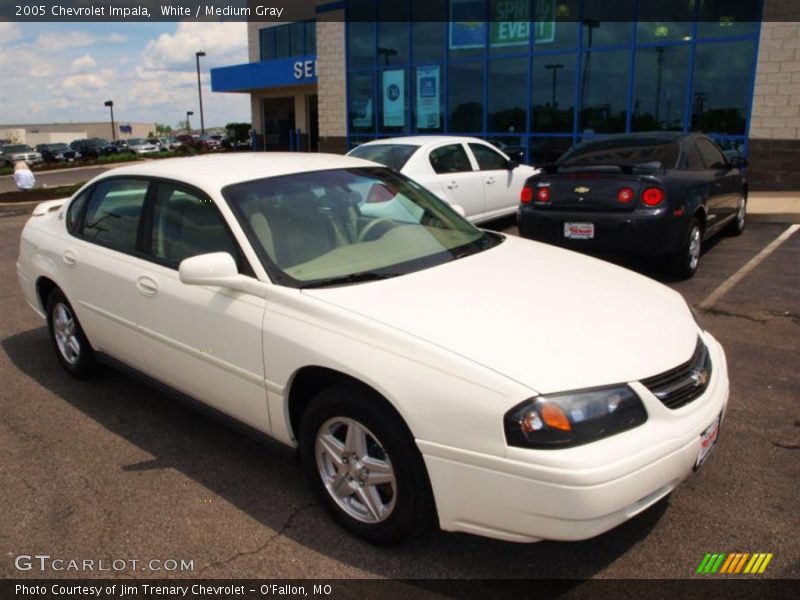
pixel 511 164
pixel 218 269
pixel 738 162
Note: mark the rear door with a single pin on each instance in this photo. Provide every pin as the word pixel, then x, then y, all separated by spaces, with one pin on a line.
pixel 102 262
pixel 457 176
pixel 502 185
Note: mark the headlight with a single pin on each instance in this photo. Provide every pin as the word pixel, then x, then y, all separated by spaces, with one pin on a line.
pixel 573 418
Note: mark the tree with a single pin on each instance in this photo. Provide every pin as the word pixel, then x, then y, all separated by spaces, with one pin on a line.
pixel 163 129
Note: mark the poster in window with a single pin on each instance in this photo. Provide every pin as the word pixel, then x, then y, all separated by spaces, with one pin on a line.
pixel 428 105
pixel 394 98
pixel 467 24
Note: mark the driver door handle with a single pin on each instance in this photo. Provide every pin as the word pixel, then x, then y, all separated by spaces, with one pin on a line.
pixel 147 286
pixel 452 185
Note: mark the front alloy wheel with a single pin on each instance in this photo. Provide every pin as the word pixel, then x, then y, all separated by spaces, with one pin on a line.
pixel 364 466
pixel 355 470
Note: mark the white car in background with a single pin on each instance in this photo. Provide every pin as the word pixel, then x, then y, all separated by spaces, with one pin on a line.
pixel 142 146
pixel 463 171
pixel 427 371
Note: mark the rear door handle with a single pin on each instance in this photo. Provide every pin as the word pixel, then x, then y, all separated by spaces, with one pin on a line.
pixel 452 185
pixel 490 180
pixel 69 258
pixel 147 286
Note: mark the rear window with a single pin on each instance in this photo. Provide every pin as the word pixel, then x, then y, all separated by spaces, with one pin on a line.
pixel 644 152
pixel 394 156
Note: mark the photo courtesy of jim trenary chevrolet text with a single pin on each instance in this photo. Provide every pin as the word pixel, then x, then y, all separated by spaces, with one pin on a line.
pixel 399 298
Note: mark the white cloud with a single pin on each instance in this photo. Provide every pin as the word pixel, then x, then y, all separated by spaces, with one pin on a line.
pixel 9 32
pixel 116 38
pixel 84 63
pixel 223 44
pixel 53 42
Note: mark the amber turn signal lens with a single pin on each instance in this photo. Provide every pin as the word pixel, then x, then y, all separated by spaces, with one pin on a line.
pixel 554 417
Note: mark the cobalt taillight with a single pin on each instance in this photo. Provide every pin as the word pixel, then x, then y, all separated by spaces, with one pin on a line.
pixel 526 195
pixel 625 195
pixel 543 195
pixel 653 196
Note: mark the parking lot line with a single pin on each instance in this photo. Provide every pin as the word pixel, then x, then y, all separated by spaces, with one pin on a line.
pixel 731 281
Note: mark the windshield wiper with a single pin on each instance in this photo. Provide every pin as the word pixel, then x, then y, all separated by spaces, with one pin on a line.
pixel 347 279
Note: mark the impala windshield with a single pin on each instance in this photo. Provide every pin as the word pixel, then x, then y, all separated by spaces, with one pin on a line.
pixel 346 226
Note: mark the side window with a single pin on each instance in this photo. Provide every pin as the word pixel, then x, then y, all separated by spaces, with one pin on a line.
pixel 450 159
pixel 694 162
pixel 712 157
pixel 488 159
pixel 185 225
pixel 74 212
pixel 112 214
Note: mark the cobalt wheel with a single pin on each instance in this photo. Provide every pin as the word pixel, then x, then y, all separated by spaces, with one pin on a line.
pixel 364 466
pixel 72 348
pixel 683 264
pixel 737 225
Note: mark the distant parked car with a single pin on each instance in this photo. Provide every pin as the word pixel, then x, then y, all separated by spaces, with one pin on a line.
pixel 210 142
pixel 141 146
pixel 15 152
pixel 169 143
pixel 121 145
pixel 463 171
pixel 650 194
pixel 57 152
pixel 93 147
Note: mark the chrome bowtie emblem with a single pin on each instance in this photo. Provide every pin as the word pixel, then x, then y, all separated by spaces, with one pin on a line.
pixel 699 378
pixel 581 190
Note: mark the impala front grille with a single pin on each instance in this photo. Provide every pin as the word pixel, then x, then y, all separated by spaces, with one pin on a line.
pixel 685 383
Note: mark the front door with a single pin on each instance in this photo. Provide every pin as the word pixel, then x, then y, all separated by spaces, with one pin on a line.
pixel 279 124
pixel 204 341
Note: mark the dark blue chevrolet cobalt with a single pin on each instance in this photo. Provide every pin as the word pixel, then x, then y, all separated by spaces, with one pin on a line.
pixel 655 194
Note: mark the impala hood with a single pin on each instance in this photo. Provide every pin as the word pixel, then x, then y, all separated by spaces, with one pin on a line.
pixel 548 318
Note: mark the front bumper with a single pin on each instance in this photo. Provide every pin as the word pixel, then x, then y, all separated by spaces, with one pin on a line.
pixel 653 232
pixel 576 493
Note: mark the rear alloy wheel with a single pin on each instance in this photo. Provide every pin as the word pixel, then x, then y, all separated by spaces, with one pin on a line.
pixel 72 348
pixel 364 466
pixel 737 225
pixel 683 264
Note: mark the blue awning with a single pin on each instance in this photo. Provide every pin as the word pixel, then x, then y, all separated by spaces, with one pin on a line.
pixel 278 72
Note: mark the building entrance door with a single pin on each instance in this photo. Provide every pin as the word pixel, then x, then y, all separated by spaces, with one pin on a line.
pixel 313 123
pixel 279 123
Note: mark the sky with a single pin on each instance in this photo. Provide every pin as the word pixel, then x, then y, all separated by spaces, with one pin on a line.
pixel 62 72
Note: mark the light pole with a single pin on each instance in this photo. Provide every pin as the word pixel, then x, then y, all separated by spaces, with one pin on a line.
pixel 189 113
pixel 110 104
pixel 197 56
pixel 554 68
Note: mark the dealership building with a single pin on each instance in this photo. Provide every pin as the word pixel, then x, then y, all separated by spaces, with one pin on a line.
pixel 540 74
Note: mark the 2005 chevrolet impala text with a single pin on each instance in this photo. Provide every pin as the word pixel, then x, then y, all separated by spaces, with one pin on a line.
pixel 426 371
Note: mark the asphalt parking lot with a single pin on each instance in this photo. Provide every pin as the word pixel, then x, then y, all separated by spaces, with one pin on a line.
pixel 110 469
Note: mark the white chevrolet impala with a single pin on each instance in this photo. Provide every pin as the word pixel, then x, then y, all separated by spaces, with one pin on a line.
pixel 425 370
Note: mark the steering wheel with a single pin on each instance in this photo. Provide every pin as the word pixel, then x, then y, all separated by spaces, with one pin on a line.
pixel 362 235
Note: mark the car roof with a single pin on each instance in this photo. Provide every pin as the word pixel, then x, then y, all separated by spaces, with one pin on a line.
pixel 424 140
pixel 213 172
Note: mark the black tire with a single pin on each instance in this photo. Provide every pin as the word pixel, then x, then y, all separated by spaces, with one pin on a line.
pixel 407 503
pixel 736 227
pixel 683 264
pixel 78 360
